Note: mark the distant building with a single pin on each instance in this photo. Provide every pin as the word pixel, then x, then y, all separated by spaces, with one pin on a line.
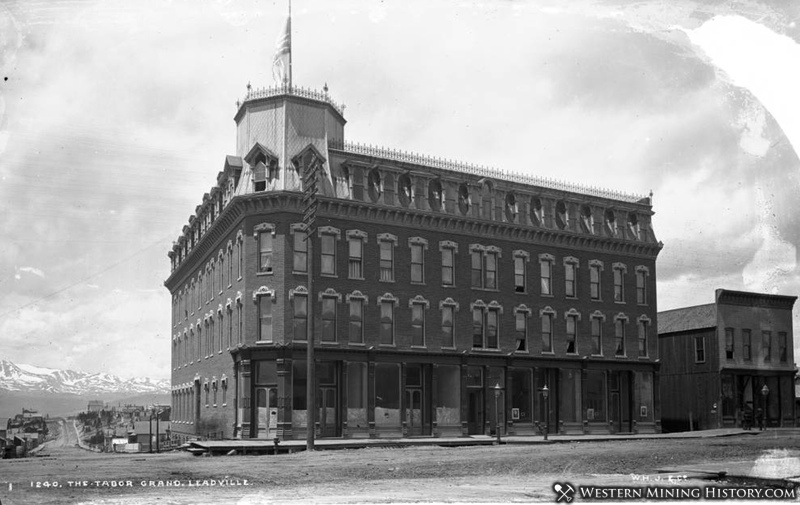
pixel 145 433
pixel 95 406
pixel 718 358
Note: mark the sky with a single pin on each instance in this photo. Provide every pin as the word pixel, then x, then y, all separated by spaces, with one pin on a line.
pixel 115 118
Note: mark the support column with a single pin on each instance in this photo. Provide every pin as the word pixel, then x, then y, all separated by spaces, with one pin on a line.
pixel 245 395
pixel 284 367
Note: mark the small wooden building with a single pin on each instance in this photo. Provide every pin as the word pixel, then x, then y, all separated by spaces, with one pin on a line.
pixel 728 362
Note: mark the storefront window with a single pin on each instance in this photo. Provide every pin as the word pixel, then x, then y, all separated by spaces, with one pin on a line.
pixel 448 408
pixel 266 372
pixel 357 395
pixel 299 414
pixel 570 396
pixel 387 394
pixel 644 397
pixel 520 395
pixel 595 396
pixel 728 400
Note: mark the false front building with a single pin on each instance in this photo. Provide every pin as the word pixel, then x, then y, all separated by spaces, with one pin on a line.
pixel 445 296
pixel 725 361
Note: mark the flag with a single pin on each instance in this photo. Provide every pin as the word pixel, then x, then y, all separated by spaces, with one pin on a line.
pixel 282 61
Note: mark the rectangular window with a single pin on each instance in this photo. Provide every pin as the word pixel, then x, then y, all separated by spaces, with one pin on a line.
pixel 746 345
pixel 597 336
pixel 490 277
pixel 641 287
pixel 328 254
pixel 387 323
pixel 643 330
pixel 766 345
pixel 619 337
pixel 328 319
pixel 230 328
pixel 220 333
pixel 356 258
pixel 594 281
pixel 356 328
pixel 239 323
pixel 447 326
pixel 240 258
pixel 546 268
pixel 519 274
pixel 477 327
pixel 619 294
pixel 417 263
pixel 699 349
pixel 300 317
pixel 265 252
pixel 387 260
pixel 418 324
pixel 570 281
pixel 492 331
pixel 782 353
pixel 230 268
pixel 729 343
pixel 572 330
pixel 300 256
pixel 448 267
pixel 547 333
pixel 521 328
pixel 477 269
pixel 387 395
pixel 221 273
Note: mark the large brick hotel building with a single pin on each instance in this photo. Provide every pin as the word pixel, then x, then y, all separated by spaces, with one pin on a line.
pixel 436 286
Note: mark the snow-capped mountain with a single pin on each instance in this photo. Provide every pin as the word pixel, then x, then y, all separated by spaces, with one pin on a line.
pixel 27 378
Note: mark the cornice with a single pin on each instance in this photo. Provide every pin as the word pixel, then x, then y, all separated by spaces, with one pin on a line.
pixel 289 201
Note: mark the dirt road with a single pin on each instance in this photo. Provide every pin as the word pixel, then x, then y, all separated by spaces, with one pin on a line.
pixel 489 474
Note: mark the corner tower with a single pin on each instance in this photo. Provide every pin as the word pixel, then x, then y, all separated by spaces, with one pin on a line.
pixel 274 125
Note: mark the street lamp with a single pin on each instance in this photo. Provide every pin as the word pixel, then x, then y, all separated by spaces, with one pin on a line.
pixel 497 411
pixel 546 395
pixel 764 393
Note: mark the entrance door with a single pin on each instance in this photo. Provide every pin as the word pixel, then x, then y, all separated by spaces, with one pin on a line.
pixel 619 399
pixel 414 412
pixel 326 416
pixel 266 412
pixel 475 412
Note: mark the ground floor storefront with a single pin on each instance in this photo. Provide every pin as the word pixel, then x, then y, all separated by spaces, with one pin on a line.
pixel 386 395
pixel 748 396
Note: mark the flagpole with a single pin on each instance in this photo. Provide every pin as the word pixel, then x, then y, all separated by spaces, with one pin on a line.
pixel 290 44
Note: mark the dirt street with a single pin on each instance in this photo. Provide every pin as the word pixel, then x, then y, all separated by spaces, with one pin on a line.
pixel 63 473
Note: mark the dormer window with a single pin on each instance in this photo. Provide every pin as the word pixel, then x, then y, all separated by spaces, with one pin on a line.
pixel 611 223
pixel 511 209
pixel 562 216
pixel 435 195
pixel 633 226
pixel 375 187
pixel 537 211
pixel 587 219
pixel 464 200
pixel 404 189
pixel 264 164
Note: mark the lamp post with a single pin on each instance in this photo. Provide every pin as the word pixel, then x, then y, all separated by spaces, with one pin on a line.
pixel 546 395
pixel 497 411
pixel 764 393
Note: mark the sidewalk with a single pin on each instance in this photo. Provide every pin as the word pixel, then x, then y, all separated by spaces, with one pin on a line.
pixel 267 446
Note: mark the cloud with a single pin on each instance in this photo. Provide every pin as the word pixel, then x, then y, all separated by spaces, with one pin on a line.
pixel 31 270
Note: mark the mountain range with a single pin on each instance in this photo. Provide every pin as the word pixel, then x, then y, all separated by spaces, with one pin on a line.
pixel 29 378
